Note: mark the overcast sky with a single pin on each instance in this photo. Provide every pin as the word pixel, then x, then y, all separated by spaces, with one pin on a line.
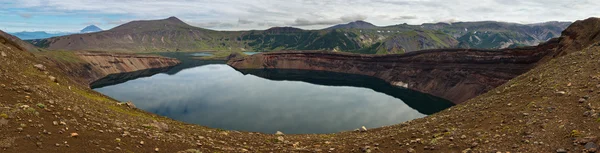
pixel 73 15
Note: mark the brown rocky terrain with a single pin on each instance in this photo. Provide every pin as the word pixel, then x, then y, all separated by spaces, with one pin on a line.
pixel 551 108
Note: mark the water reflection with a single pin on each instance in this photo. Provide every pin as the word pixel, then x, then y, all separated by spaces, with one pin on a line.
pixel 201 54
pixel 213 94
pixel 251 53
pixel 424 103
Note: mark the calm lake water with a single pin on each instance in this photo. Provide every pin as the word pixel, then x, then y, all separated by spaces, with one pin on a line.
pixel 251 53
pixel 201 54
pixel 212 94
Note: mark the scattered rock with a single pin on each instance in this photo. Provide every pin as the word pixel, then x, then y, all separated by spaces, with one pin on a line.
pixel 53 79
pixel 161 126
pixel 363 129
pixel 591 147
pixel 130 104
pixel 141 142
pixel 40 67
pixel 588 113
pixel 224 133
pixel 561 92
pixel 24 106
pixel 582 100
pixel 279 133
pixel 280 139
pixel 3 54
pixel 3 122
pixel 463 136
pixel 410 150
pixel 366 149
pixel 474 144
pixel 74 135
pixel 468 150
pixel 586 140
pixel 156 149
pixel 561 151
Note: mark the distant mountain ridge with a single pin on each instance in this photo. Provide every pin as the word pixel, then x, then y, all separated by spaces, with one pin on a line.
pixel 172 34
pixel 90 28
pixel 356 24
pixel 27 35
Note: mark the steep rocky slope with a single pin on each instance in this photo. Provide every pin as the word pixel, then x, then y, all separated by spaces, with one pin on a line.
pixel 552 108
pixel 173 34
pixel 16 42
pixel 579 36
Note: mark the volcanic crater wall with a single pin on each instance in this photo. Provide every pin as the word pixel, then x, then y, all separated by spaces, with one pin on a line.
pixel 97 65
pixel 453 74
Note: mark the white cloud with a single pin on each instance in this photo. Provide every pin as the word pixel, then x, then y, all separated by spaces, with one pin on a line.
pixel 309 14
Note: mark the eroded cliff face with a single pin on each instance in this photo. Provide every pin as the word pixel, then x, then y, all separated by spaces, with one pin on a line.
pixel 93 66
pixel 453 74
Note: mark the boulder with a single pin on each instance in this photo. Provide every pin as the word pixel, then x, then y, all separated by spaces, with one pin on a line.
pixel 40 67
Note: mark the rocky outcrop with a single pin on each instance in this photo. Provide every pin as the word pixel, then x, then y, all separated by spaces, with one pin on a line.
pixel 580 35
pixel 453 74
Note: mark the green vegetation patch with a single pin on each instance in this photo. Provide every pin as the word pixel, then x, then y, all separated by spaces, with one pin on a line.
pixel 64 56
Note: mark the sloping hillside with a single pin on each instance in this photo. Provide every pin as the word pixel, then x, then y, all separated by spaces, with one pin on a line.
pixel 552 108
pixel 159 35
